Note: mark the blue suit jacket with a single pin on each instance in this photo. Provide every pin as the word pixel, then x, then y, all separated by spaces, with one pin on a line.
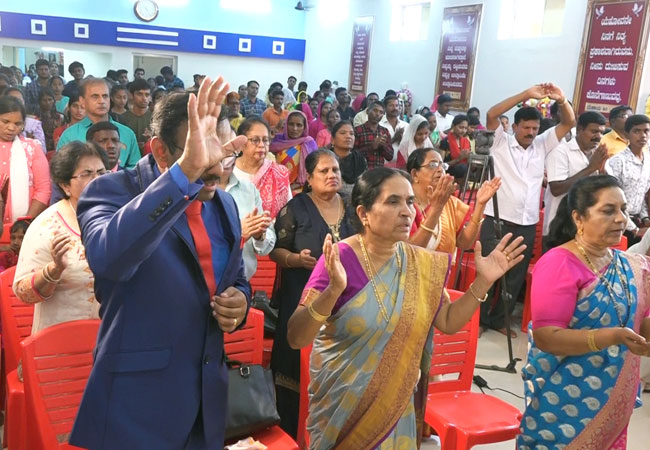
pixel 159 360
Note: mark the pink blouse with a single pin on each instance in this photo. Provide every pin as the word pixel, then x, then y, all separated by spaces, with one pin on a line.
pixel 40 187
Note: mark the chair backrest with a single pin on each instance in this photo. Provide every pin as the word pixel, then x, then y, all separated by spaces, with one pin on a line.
pixel 17 318
pixel 537 246
pixel 455 354
pixel 5 238
pixel 56 365
pixel 246 344
pixel 303 409
pixel 264 277
pixel 622 244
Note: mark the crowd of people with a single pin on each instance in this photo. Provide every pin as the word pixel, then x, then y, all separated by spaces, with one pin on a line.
pixel 356 201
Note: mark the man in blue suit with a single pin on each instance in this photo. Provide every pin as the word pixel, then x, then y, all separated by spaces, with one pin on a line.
pixel 159 380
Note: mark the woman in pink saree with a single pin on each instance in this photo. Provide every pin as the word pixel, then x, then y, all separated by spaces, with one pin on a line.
pixel 590 310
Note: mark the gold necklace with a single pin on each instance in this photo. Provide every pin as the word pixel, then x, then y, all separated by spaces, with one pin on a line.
pixel 335 228
pixel 618 307
pixel 372 273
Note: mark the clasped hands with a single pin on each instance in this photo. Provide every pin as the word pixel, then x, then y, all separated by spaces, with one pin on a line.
pixel 543 90
pixel 229 308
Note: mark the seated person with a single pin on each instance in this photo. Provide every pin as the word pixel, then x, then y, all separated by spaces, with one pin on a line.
pixel 107 136
pixel 457 147
pixel 275 115
pixel 9 254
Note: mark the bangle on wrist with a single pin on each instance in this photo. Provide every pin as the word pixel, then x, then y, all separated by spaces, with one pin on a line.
pixel 286 260
pixel 591 341
pixel 479 299
pixel 320 318
pixel 47 277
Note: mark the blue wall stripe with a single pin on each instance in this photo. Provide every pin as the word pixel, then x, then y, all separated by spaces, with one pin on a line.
pixel 62 29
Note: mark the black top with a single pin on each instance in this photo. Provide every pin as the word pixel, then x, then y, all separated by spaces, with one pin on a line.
pixel 347 113
pixel 352 166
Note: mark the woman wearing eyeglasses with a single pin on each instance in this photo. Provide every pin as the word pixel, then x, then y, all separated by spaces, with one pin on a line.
pixel 270 178
pixel 24 179
pixel 52 270
pixel 441 219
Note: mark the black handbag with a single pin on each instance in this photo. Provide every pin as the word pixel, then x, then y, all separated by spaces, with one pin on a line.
pixel 251 399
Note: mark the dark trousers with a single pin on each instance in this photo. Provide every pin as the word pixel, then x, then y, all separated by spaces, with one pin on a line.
pixel 493 310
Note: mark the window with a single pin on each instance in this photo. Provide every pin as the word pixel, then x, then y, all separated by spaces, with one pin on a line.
pixel 524 19
pixel 409 20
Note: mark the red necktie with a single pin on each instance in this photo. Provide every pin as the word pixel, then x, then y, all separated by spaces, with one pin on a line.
pixel 202 243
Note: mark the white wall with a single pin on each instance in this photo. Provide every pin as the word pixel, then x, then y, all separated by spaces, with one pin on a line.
pixel 503 67
pixel 98 59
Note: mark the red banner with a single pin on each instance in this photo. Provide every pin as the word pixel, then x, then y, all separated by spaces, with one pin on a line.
pixel 610 67
pixel 360 57
pixel 460 27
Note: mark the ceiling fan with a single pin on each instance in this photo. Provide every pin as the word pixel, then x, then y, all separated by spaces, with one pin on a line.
pixel 302 7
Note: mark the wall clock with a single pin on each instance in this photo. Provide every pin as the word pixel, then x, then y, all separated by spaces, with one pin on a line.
pixel 146 10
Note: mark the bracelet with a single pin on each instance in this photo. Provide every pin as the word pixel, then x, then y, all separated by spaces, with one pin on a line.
pixel 286 260
pixel 426 228
pixel 591 341
pixel 315 315
pixel 477 223
pixel 47 277
pixel 479 299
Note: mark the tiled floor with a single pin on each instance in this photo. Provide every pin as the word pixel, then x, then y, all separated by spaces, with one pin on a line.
pixel 492 349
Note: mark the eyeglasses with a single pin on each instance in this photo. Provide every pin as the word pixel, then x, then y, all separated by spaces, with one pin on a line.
pixel 86 174
pixel 229 161
pixel 433 165
pixel 256 141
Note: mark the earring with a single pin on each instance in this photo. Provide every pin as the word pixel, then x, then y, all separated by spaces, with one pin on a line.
pixel 581 232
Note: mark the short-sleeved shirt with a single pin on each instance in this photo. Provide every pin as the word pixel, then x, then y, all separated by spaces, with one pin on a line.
pixel 386 124
pixel 522 173
pixel 129 155
pixel 273 118
pixel 561 163
pixel 634 176
pixel 443 123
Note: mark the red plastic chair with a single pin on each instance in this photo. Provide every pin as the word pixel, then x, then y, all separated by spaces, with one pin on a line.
pixel 245 345
pixel 264 277
pixel 56 366
pixel 264 280
pixel 463 418
pixel 17 318
pixel 622 245
pixel 5 237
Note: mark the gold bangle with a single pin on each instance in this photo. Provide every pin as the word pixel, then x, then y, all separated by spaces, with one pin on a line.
pixel 426 228
pixel 591 341
pixel 47 277
pixel 479 299
pixel 286 260
pixel 315 315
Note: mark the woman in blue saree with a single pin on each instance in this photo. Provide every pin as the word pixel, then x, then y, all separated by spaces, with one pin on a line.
pixel 590 308
pixel 369 308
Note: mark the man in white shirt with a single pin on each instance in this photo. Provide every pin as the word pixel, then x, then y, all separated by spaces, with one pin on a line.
pixel 570 161
pixel 632 169
pixel 519 161
pixel 362 116
pixel 443 118
pixel 393 123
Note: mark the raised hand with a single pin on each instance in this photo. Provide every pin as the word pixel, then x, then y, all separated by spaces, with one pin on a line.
pixel 203 149
pixel 440 193
pixel 537 91
pixel 59 250
pixel 504 257
pixel 337 275
pixel 554 92
pixel 487 190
